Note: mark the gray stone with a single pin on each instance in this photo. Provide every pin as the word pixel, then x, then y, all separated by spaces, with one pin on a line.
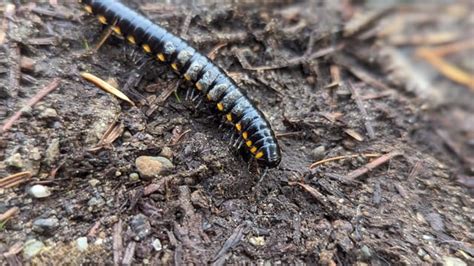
pixel 318 153
pixel 45 226
pixel 96 201
pixel 31 248
pixel 140 227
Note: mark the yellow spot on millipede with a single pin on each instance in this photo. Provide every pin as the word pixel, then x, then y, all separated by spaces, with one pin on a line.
pixel 220 106
pixel 259 155
pixel 209 97
pixel 88 8
pixel 187 77
pixel 146 48
pixel 199 86
pixel 253 150
pixel 131 39
pixel 117 30
pixel 161 57
pixel 174 66
pixel 248 143
pixel 102 19
pixel 238 126
pixel 245 135
pixel 229 117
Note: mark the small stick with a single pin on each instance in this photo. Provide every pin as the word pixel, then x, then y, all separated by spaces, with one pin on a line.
pixel 372 165
pixel 363 111
pixel 43 92
pixel 14 76
pixel 8 214
pixel 129 253
pixel 117 245
pixel 368 155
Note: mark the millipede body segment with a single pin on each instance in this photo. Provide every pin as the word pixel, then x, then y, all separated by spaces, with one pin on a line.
pixel 208 79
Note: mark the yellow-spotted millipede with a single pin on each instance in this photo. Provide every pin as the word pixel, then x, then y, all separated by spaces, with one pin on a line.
pixel 208 80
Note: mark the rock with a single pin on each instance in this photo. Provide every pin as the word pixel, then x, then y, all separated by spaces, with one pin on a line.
pixel 31 248
pixel 15 161
pixel 96 201
pixel 35 154
pixel 257 241
pixel 167 152
pixel 93 182
pixel 45 226
pixel 149 166
pixel 453 261
pixel 134 177
pixel 157 244
pixel 318 153
pixel 52 151
pixel 39 191
pixel 140 226
pixel 81 243
pixel 366 253
pixel 48 113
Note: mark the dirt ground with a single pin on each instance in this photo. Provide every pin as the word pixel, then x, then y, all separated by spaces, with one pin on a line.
pixel 373 106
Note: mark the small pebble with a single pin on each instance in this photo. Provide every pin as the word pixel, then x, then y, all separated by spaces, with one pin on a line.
pixel 39 191
pixel 318 153
pixel 257 240
pixel 366 253
pixel 15 161
pixel 140 226
pixel 81 243
pixel 453 261
pixel 157 244
pixel 93 182
pixel 31 248
pixel 96 201
pixel 134 177
pixel 167 152
pixel 45 226
pixel 149 166
pixel 48 113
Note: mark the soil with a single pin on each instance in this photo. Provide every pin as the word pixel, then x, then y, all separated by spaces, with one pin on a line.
pixel 334 80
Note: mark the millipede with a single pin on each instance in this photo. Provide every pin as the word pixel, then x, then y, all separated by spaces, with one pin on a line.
pixel 208 80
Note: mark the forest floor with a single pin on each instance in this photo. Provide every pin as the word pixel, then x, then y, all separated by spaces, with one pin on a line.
pixel 373 106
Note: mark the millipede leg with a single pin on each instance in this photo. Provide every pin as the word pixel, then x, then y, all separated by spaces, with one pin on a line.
pixel 264 173
pixel 187 93
pixel 199 103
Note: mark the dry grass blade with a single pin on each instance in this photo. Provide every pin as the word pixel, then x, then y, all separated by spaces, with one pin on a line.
pixel 448 70
pixel 15 179
pixel 101 84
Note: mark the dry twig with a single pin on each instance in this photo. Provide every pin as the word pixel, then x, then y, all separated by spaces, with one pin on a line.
pixel 43 92
pixel 372 165
pixel 368 155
